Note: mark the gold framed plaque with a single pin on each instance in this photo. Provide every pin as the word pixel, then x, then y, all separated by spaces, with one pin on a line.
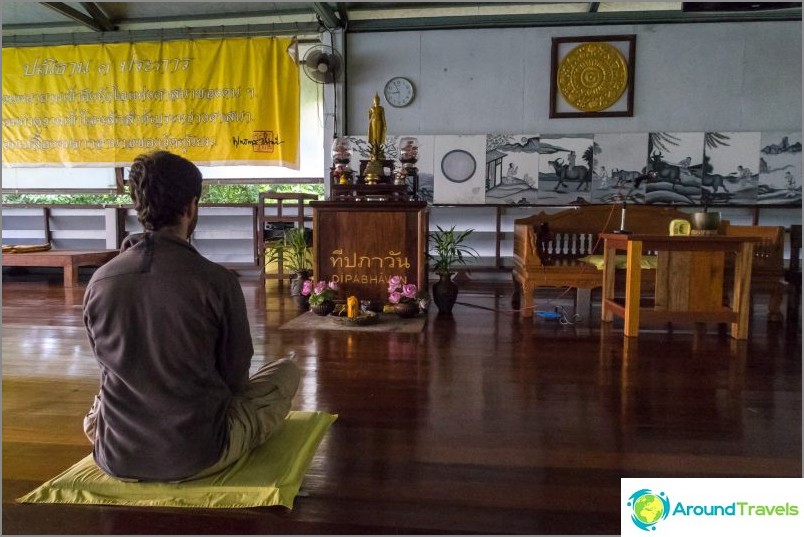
pixel 592 76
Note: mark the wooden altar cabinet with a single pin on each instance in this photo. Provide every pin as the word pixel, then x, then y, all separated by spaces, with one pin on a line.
pixel 689 280
pixel 362 244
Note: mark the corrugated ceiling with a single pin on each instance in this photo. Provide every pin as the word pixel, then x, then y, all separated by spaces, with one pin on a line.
pixel 57 21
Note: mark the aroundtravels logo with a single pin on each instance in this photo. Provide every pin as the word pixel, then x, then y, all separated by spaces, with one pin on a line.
pixel 648 508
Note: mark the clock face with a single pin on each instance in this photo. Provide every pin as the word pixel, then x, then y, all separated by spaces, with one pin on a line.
pixel 399 92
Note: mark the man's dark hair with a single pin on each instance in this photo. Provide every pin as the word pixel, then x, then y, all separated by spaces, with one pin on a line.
pixel 162 185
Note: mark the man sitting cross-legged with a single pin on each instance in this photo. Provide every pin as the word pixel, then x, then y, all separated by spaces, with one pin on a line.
pixel 169 331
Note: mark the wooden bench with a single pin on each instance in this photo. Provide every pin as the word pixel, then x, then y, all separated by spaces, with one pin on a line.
pixel 548 247
pixel 69 260
pixel 767 269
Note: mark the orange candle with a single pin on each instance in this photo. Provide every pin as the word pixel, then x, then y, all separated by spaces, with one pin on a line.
pixel 352 307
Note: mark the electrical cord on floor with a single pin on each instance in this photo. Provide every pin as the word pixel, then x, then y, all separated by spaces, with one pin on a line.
pixel 560 315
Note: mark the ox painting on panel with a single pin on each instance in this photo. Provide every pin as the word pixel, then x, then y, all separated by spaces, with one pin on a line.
pixel 618 173
pixel 565 168
pixel 731 168
pixel 512 169
pixel 675 160
pixel 779 168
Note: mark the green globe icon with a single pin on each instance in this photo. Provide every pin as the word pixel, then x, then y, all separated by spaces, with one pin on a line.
pixel 648 508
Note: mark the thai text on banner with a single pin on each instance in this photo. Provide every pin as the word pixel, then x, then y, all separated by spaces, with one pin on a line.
pixel 214 101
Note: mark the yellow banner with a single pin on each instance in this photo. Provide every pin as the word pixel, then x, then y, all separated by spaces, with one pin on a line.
pixel 214 102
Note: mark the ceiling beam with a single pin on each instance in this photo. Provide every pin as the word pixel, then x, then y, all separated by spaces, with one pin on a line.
pixel 307 33
pixel 327 15
pixel 99 16
pixel 380 24
pixel 74 14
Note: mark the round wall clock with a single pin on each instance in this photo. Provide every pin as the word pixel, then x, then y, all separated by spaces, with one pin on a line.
pixel 399 92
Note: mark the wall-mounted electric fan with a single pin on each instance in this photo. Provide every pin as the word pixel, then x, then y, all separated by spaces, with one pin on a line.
pixel 322 64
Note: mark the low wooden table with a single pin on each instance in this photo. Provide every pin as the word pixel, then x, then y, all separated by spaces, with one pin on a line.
pixel 689 280
pixel 70 260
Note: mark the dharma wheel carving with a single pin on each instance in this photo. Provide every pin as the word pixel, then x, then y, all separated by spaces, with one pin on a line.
pixel 593 76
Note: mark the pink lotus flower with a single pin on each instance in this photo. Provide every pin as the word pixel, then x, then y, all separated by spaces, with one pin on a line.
pixel 319 292
pixel 409 290
pixel 307 287
pixel 398 291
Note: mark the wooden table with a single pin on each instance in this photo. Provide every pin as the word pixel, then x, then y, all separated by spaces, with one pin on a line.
pixel 70 260
pixel 689 280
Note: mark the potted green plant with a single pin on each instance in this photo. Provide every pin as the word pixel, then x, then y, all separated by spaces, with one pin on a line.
pixel 447 250
pixel 294 251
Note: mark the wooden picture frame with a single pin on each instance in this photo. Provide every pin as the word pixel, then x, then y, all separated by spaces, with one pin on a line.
pixel 623 107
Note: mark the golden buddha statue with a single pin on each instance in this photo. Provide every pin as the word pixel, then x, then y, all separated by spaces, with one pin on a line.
pixel 376 139
pixel 376 133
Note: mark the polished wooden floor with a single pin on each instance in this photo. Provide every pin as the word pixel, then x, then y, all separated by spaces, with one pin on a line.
pixel 479 424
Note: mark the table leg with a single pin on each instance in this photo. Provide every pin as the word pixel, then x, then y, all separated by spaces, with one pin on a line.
pixel 70 275
pixel 742 290
pixel 527 299
pixel 606 314
pixel 583 302
pixel 633 282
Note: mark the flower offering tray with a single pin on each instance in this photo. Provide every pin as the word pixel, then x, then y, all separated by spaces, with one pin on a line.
pixel 363 318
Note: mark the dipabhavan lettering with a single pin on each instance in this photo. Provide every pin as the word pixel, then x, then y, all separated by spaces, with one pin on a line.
pixel 364 278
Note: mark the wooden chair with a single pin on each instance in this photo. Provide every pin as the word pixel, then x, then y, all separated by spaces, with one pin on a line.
pixel 280 201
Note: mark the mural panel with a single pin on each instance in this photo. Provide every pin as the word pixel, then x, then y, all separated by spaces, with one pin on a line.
pixel 459 170
pixel 618 174
pixel 779 168
pixel 677 160
pixel 512 168
pixel 565 168
pixel 731 168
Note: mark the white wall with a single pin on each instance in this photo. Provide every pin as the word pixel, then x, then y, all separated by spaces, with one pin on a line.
pixel 689 78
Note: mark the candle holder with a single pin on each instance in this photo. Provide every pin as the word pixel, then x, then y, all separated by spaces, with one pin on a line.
pixel 408 151
pixel 341 150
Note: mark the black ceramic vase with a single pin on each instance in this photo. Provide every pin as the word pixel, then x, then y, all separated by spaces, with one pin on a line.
pixel 297 282
pixel 445 293
pixel 406 309
pixel 302 301
pixel 324 308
